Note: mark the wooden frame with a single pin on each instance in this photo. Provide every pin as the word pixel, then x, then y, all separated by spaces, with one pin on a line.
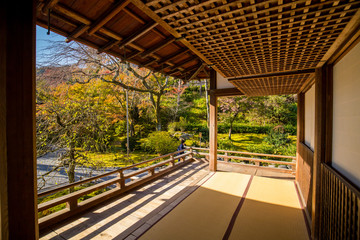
pixel 213 123
pixel 18 214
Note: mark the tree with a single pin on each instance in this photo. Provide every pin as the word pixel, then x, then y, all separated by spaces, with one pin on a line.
pixel 279 110
pixel 89 65
pixel 72 118
pixel 232 107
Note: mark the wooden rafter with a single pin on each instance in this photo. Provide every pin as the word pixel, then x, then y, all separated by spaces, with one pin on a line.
pixel 186 61
pixel 158 47
pixel 197 72
pixel 237 38
pixel 108 15
pixel 130 38
pixel 173 56
pixel 46 5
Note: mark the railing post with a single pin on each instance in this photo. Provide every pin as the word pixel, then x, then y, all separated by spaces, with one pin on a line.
pixel 72 204
pixel 121 183
pixel 172 163
pixel 293 167
pixel 152 171
pixel 191 153
pixel 226 158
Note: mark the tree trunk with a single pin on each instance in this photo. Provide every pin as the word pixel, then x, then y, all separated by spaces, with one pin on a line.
pixel 230 131
pixel 71 169
pixel 158 116
pixel 178 100
pixel 127 123
pixel 207 102
pixel 200 88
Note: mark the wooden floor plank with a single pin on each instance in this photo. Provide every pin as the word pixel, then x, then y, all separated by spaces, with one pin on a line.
pixel 128 215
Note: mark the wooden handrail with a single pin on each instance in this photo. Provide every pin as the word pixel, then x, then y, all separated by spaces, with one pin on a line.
pixel 58 189
pixel 72 198
pixel 247 153
pixel 151 160
pixel 255 159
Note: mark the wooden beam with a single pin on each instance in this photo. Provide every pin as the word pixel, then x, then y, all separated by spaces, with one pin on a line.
pixel 273 74
pixel 351 28
pixel 227 92
pixel 132 37
pixel 70 13
pixel 197 71
pixel 173 56
pixel 18 187
pixel 77 33
pixel 48 4
pixel 347 46
pixel 213 79
pixel 213 126
pixel 158 46
pixel 307 84
pixel 108 15
pixel 184 62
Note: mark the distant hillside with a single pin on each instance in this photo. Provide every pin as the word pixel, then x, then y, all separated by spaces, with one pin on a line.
pixel 53 76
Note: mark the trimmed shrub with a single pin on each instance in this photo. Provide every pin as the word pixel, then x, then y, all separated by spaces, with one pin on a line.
pixel 161 143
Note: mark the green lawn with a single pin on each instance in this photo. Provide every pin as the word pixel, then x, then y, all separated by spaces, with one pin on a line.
pixel 118 159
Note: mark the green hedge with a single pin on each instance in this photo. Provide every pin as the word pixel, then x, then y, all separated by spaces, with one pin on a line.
pixel 238 128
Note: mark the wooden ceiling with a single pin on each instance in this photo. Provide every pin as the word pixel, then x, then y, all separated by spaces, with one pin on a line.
pixel 121 29
pixel 237 38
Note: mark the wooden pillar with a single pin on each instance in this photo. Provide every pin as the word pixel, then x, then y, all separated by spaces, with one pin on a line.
pixel 213 124
pixel 18 205
pixel 323 139
pixel 300 127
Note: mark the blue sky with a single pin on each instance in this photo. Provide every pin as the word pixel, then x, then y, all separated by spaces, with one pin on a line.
pixel 42 40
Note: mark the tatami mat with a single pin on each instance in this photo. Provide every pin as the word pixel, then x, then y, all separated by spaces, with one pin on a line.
pixel 271 211
pixel 206 213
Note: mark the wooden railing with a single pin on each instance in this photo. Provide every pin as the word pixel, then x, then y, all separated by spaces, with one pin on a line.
pixel 340 206
pixel 122 180
pixel 253 162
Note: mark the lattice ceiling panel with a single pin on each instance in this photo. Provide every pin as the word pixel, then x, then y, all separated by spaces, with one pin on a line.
pixel 272 85
pixel 254 37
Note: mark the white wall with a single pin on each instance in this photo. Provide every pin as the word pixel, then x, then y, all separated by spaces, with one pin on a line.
pixel 310 117
pixel 222 82
pixel 346 116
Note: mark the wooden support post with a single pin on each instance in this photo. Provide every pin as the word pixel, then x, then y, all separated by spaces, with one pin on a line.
pixel 300 128
pixel 191 153
pixel 213 124
pixel 122 180
pixel 18 191
pixel 294 167
pixel 226 158
pixel 72 204
pixel 323 134
pixel 172 163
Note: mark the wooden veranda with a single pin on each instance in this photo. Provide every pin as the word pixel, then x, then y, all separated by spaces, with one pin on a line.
pixel 245 47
